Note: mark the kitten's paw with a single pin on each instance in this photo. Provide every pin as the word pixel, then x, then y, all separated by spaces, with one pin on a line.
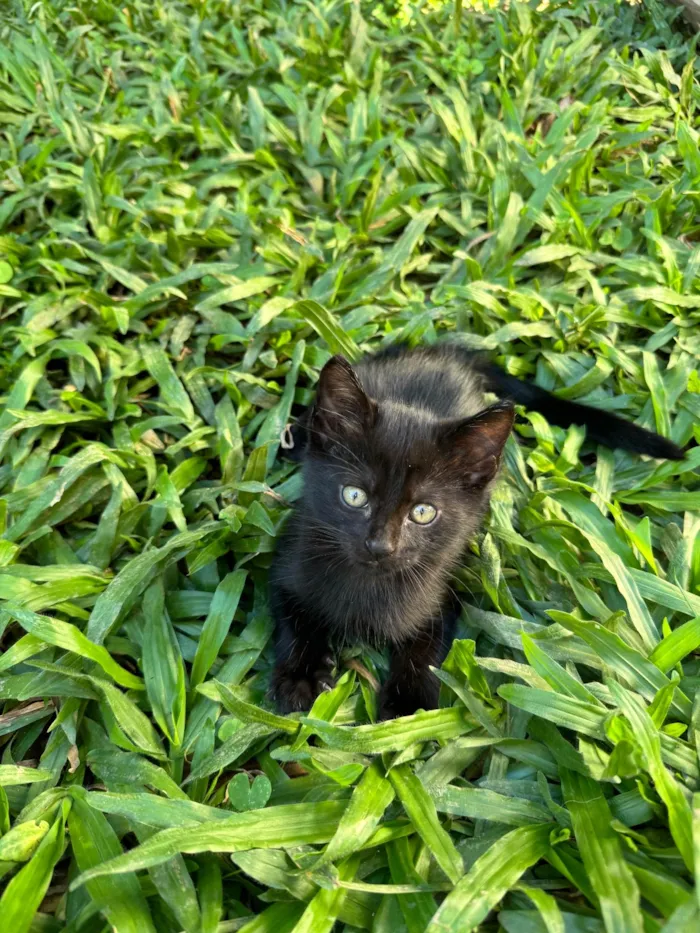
pixel 398 699
pixel 295 691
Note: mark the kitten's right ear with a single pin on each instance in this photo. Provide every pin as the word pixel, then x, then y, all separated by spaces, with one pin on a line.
pixel 342 406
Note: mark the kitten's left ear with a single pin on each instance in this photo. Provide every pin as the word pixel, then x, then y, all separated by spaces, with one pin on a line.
pixel 473 446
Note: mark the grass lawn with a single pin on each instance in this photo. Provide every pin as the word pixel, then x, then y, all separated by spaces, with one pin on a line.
pixel 200 201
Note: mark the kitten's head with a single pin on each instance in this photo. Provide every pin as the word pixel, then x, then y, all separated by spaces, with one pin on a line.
pixel 389 486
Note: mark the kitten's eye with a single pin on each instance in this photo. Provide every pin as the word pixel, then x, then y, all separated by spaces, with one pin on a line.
pixel 353 496
pixel 423 514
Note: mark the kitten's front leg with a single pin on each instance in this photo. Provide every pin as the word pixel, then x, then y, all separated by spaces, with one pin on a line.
pixel 411 684
pixel 304 660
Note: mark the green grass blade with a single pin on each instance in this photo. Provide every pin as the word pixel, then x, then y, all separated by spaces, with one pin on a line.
pixel 482 804
pixel 126 587
pixel 247 712
pixel 646 734
pixel 11 775
pixel 163 668
pixel 24 893
pixel 639 673
pixel 277 827
pixel 489 878
pixel 421 811
pixel 322 910
pixel 677 645
pixel 217 624
pixel 327 326
pixel 396 734
pixel 556 676
pixel 119 897
pixel 601 851
pixel 549 909
pixel 369 800
pixel 66 636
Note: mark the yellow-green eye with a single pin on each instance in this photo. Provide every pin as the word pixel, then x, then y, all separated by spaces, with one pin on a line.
pixel 423 514
pixel 353 496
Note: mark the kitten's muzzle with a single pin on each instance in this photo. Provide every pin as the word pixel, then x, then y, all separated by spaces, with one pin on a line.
pixel 380 548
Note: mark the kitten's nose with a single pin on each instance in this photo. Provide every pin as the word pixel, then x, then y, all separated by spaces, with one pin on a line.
pixel 379 547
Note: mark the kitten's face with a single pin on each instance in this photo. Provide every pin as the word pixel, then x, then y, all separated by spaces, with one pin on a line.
pixel 389 488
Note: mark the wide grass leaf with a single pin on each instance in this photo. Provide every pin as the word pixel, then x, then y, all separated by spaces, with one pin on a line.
pixel 163 668
pixel 327 326
pixel 370 798
pixel 561 710
pixel 231 749
pixel 16 774
pixel 126 586
pixel 482 804
pixel 547 906
pixel 677 645
pixel 116 767
pixel 132 721
pixel 237 292
pixel 247 712
pixel 19 842
pixel 66 636
pixel 396 734
pixel 490 877
pixel 175 398
pixel 24 893
pixel 639 672
pixel 668 788
pixel 602 854
pixel 556 676
pixel 217 624
pixel 175 886
pixel 155 811
pixel 421 811
pixel 119 897
pixel 614 563
pixel 278 918
pixel 283 826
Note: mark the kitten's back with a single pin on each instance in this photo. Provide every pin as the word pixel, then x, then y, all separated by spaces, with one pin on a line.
pixel 437 379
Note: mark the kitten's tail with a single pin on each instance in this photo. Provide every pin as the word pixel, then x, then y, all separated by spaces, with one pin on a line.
pixel 601 426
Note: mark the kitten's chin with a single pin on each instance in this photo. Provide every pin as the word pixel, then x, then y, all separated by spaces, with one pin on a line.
pixel 383 568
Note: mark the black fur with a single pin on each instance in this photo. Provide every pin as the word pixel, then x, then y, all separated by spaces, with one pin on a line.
pixel 407 427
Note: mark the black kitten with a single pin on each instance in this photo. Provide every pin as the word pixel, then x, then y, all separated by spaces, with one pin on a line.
pixel 400 452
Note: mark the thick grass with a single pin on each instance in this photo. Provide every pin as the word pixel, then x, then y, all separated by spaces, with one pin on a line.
pixel 201 201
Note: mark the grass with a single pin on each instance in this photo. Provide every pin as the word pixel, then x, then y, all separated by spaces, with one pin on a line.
pixel 201 201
